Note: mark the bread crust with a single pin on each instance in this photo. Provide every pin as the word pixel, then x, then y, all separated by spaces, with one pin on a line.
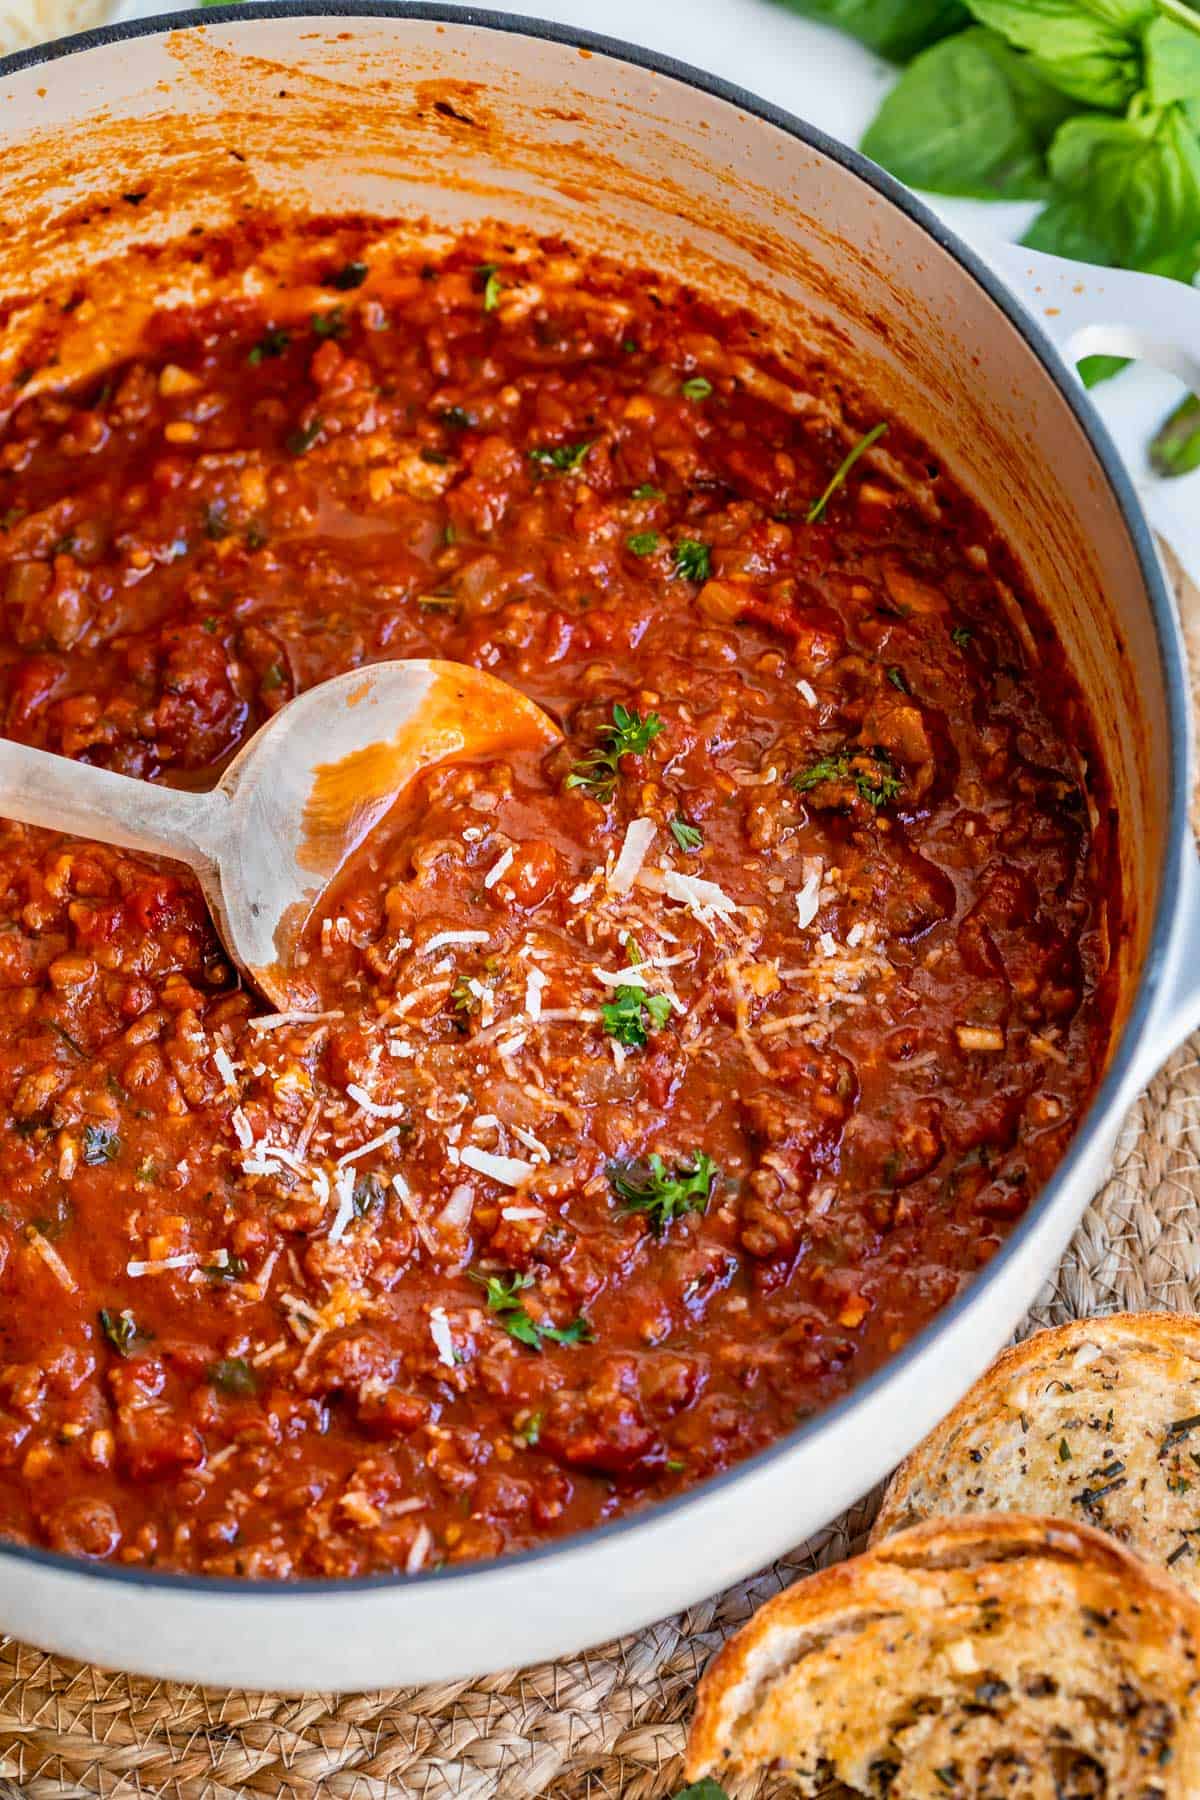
pixel 966 1656
pixel 1097 1421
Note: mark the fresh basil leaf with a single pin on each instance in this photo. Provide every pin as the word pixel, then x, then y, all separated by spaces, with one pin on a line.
pixel 1089 49
pixel 1172 62
pixel 895 28
pixel 1095 369
pixel 1175 448
pixel 1127 194
pixel 971 117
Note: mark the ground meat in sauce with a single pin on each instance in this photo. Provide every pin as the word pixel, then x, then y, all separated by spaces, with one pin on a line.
pixel 582 1185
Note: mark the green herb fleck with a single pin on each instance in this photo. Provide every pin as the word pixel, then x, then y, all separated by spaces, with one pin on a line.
pixel 100 1145
pixel 962 636
pixel 368 1194
pixel 699 387
pixel 642 543
pixel 561 456
pixel 273 342
pixel 502 1292
pixel 664 1194
pixel 530 1431
pixel 626 1013
pixel 896 677
pixel 492 285
pixel 232 1269
pixel 843 469
pixel 120 1328
pixel 352 275
pixel 300 441
pixel 628 735
pixel 331 324
pixel 233 1375
pixel 693 560
pixel 688 837
pixel 456 418
pixel 1064 1450
pixel 870 770
pixel 646 490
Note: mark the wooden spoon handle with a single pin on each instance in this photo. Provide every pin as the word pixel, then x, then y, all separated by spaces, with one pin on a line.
pixel 42 789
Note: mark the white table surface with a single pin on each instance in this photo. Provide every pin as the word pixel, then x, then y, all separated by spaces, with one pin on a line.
pixel 826 78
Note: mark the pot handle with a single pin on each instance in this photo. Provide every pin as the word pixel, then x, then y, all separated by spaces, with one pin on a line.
pixel 1177 1015
pixel 1089 311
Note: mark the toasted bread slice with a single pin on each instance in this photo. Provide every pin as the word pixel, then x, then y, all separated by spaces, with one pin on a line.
pixel 979 1657
pixel 1097 1421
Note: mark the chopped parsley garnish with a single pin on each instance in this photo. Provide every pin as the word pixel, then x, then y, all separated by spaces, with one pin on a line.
pixel 642 543
pixel 626 1013
pixel 100 1145
pixel 303 438
pixel 232 1269
pixel 646 491
pixel 896 677
pixel 693 560
pixel 1064 1450
pixel 628 735
pixel 233 1375
pixel 492 286
pixel 331 324
pixel 871 772
pixel 530 1431
pixel 688 837
pixel 664 1194
pixel 463 997
pixel 352 275
pixel 120 1328
pixel 561 456
pixel 502 1291
pixel 699 387
pixel 843 469
pixel 273 342
pixel 962 635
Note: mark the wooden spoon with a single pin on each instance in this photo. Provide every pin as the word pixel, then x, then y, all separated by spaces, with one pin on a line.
pixel 299 799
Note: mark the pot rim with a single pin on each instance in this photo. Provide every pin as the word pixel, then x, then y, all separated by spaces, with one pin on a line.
pixel 1151 980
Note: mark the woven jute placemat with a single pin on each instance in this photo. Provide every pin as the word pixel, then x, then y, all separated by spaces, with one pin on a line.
pixel 605 1725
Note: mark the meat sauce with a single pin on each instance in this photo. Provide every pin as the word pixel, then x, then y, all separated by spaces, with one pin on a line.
pixel 660 1085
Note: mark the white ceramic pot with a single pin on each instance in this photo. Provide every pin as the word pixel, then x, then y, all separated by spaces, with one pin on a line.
pixel 461 115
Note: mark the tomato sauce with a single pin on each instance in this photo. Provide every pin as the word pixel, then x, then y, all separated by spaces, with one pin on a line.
pixel 661 1084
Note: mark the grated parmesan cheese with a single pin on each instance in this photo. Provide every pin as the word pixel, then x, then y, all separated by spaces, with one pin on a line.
pixel 807 692
pixel 443 1337
pixel 500 867
pixel 422 1544
pixel 186 1259
pixel 510 1171
pixel 377 1143
pixel 703 899
pixel 808 900
pixel 375 1108
pixel 52 1259
pixel 272 1021
pixel 343 1187
pixel 639 835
